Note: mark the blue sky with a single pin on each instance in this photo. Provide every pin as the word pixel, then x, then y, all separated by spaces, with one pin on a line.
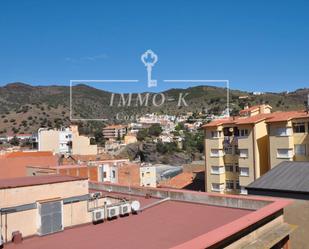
pixel 257 45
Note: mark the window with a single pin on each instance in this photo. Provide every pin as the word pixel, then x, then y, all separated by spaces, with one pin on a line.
pixel 283 131
pixel 237 186
pixel 284 153
pixel 300 149
pixel 113 173
pixel 229 168
pixel 104 174
pixel 217 187
pixel 244 133
pixel 228 150
pixel 243 153
pixel 216 170
pixel 236 168
pixel 299 127
pixel 229 185
pixel 216 153
pixel 244 171
pixel 216 134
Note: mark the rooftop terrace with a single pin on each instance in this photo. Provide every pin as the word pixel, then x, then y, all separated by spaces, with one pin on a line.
pixel 168 219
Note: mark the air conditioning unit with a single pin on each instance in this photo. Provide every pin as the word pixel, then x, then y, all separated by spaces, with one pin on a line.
pixel 98 215
pixel 112 211
pixel 125 209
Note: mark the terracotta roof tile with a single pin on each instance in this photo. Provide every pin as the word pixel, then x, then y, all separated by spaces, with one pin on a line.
pixel 286 116
pixel 269 117
pixel 14 164
pixel 180 181
pixel 28 154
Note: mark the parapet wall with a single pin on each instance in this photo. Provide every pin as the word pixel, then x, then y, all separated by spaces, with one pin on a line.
pixel 187 196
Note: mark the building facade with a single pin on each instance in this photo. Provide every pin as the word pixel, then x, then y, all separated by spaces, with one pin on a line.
pixel 238 150
pixel 65 141
pixel 114 131
pixel 289 137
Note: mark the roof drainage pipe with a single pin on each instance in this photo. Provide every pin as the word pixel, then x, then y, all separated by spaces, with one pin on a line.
pixel 154 204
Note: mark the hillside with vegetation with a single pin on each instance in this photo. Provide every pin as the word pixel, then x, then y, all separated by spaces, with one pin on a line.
pixel 25 108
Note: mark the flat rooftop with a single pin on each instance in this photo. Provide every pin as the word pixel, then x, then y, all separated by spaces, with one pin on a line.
pixel 165 225
pixel 168 219
pixel 36 180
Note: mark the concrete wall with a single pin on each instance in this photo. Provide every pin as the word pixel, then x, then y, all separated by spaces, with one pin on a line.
pixel 49 140
pixel 279 142
pixel 27 222
pixel 190 196
pixel 129 174
pixel 247 143
pixel 213 143
pixel 287 142
pixel 24 195
pixel 297 213
pixel 148 176
pixel 81 146
pixel 91 172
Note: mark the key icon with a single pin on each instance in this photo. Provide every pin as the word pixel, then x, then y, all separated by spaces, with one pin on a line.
pixel 149 58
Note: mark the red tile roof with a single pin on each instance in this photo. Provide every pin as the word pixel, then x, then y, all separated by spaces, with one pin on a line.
pixel 36 180
pixel 269 117
pixel 286 116
pixel 180 181
pixel 14 164
pixel 237 120
pixel 28 154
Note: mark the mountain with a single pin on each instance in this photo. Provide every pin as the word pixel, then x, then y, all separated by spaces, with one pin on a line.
pixel 25 108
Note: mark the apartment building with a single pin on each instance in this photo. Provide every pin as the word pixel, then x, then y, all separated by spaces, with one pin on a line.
pixel 240 149
pixel 288 137
pixel 236 150
pixel 65 141
pixel 114 131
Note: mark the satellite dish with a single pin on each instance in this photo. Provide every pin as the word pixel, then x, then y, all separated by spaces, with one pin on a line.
pixel 135 205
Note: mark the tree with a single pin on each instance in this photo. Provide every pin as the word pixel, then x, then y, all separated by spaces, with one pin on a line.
pixel 14 141
pixel 99 138
pixel 155 130
pixel 179 127
pixel 142 134
pixel 164 148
